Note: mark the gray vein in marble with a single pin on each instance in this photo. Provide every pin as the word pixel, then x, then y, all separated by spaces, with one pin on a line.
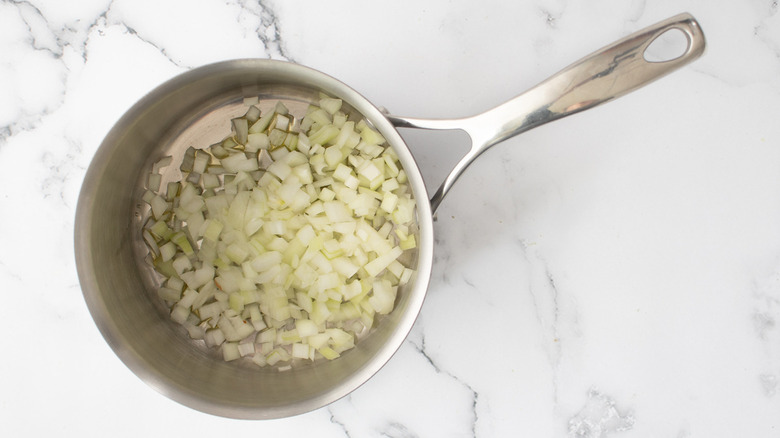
pixel 638 12
pixel 556 351
pixel 96 24
pixel 398 430
pixel 104 21
pixel 5 132
pixel 160 49
pixel 107 19
pixel 762 32
pixel 69 35
pixel 30 13
pixel 61 169
pixel 25 120
pixel 393 429
pixel 335 420
pixel 773 46
pixel 274 41
pixel 547 312
pixel 475 395
pixel 766 296
pixel 269 31
pixel 441 258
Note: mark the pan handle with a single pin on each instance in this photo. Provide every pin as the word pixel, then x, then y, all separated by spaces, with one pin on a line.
pixel 599 77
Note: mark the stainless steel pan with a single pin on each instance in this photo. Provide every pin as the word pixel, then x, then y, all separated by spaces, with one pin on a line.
pixel 191 109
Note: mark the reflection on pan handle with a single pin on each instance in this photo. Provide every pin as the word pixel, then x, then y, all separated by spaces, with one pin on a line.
pixel 599 77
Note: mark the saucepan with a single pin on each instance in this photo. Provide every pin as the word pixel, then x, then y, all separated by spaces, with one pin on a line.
pixel 119 286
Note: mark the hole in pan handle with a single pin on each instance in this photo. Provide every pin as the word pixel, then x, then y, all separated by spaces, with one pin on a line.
pixel 599 77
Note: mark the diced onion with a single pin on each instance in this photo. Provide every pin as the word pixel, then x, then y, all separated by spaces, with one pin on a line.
pixel 286 240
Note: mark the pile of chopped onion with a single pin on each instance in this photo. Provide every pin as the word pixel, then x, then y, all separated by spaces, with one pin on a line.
pixel 283 241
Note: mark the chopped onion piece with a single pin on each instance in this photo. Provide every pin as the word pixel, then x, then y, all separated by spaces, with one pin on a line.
pixel 328 353
pixel 230 351
pixel 300 351
pixel 241 128
pixel 246 349
pixel 379 264
pixel 162 163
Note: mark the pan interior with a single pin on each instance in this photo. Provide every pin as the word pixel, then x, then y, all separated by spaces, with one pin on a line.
pixel 119 286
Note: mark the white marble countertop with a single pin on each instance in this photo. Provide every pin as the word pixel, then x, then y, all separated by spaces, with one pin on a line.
pixel 615 273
